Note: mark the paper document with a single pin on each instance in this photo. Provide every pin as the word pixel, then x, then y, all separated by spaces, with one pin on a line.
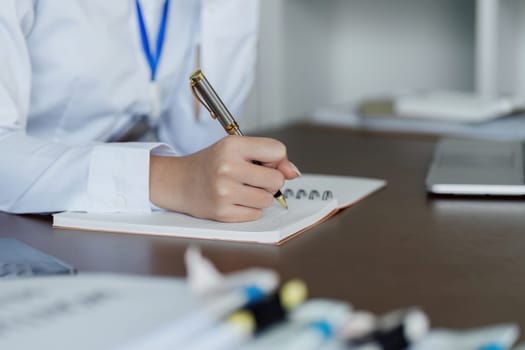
pixel 89 312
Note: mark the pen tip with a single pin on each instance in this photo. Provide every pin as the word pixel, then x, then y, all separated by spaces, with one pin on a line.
pixel 282 201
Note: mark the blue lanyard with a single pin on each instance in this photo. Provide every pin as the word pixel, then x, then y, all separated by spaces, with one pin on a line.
pixel 153 59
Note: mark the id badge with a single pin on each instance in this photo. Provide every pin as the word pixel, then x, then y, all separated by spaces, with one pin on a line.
pixel 156 102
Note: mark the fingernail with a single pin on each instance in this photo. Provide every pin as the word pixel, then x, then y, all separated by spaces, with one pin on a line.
pixel 295 169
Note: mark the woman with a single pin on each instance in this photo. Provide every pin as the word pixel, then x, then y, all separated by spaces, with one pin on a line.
pixel 78 75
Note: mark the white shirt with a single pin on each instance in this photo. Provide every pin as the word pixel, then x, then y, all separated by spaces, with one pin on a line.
pixel 73 73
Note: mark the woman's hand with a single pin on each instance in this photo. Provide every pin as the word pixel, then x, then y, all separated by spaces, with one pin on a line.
pixel 221 182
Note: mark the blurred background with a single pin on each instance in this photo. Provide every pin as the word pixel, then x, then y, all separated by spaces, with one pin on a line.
pixel 316 54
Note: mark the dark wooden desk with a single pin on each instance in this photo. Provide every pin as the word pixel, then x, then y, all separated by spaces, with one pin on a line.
pixel 462 260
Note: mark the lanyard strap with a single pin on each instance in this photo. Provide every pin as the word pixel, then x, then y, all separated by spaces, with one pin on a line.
pixel 153 58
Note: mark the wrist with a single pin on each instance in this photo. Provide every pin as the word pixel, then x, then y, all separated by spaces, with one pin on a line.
pixel 166 181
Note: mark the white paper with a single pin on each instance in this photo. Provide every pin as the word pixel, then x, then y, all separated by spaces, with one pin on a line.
pixel 89 312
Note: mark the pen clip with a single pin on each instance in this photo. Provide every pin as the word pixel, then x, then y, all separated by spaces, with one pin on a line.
pixel 198 97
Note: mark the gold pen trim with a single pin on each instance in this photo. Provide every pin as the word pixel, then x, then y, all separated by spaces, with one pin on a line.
pixel 233 129
pixel 194 79
pixel 281 200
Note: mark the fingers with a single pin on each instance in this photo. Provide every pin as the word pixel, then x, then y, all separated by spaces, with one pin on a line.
pixel 248 203
pixel 259 176
pixel 257 198
pixel 264 150
pixel 288 169
pixel 229 192
pixel 271 153
pixel 237 213
pixel 235 202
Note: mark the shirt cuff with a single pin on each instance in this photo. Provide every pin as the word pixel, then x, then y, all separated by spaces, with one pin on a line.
pixel 118 179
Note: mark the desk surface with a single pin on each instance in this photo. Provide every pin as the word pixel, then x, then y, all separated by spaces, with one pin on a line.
pixel 460 259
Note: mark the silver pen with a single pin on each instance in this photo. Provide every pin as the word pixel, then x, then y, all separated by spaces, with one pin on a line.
pixel 206 95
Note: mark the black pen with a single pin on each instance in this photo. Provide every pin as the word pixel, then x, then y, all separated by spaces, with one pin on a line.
pixel 206 95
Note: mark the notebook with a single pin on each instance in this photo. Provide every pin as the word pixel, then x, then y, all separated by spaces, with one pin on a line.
pixel 311 199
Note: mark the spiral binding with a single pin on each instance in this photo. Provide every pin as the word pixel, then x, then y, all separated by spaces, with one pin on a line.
pixel 313 194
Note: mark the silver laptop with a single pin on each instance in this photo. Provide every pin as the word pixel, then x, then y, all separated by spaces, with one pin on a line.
pixel 477 167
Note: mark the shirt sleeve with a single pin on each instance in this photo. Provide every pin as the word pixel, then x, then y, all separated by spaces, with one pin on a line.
pixel 40 175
